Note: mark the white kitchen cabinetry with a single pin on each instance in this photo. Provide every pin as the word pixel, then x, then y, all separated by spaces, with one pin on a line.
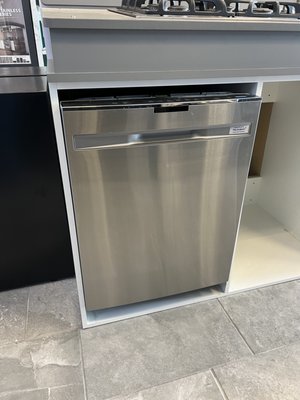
pixel 235 55
pixel 268 245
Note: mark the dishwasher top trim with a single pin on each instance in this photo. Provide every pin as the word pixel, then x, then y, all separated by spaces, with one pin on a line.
pixel 121 102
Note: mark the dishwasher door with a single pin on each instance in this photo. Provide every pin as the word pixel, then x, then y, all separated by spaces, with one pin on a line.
pixel 157 195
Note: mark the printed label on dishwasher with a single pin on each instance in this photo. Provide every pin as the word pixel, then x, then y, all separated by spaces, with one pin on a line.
pixel 239 129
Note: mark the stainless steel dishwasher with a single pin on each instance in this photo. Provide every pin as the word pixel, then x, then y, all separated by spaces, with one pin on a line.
pixel 157 185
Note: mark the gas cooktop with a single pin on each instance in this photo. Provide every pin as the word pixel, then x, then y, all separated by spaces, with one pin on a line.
pixel 203 8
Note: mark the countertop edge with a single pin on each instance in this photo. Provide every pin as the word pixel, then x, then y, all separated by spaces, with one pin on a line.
pixel 104 20
pixel 229 75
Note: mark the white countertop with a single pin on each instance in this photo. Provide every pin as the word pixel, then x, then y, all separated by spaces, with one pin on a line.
pixel 99 18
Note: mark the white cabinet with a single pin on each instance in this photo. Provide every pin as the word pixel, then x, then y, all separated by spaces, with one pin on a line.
pixel 268 245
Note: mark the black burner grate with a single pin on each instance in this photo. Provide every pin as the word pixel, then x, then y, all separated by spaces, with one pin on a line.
pixel 224 8
pixel 176 7
pixel 274 9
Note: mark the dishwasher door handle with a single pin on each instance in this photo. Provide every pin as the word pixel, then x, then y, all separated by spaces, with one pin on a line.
pixel 100 141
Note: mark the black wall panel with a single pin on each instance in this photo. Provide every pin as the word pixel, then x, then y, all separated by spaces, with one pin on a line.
pixel 34 237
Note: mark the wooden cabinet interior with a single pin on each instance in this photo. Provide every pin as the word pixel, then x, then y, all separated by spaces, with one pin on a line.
pixel 261 138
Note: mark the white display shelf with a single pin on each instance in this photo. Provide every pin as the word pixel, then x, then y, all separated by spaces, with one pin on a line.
pixel 266 253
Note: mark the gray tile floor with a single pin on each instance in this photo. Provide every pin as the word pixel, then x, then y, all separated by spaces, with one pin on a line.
pixel 244 346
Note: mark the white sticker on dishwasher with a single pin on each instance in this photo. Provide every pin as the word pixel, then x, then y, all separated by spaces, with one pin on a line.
pixel 239 129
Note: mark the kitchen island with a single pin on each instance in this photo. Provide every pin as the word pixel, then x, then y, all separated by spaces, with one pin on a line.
pixel 115 47
pixel 95 50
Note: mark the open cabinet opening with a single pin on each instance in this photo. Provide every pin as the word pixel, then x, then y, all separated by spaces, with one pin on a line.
pixel 261 139
pixel 268 245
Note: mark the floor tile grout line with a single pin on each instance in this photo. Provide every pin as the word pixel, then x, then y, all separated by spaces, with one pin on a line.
pixel 27 314
pixel 82 366
pixel 236 327
pixel 218 383
pixel 297 342
pixel 64 386
pixel 38 389
pixel 27 390
pixel 117 396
